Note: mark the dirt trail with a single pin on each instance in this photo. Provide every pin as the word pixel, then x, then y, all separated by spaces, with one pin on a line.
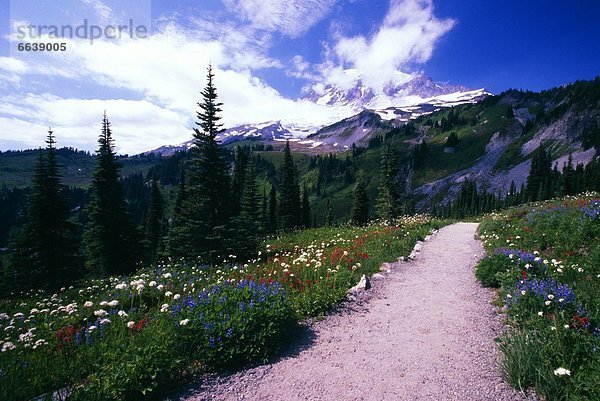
pixel 427 334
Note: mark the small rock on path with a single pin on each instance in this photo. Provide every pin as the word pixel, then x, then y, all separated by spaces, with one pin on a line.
pixel 427 334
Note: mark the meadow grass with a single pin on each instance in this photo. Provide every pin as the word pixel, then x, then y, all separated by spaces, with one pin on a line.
pixel 545 258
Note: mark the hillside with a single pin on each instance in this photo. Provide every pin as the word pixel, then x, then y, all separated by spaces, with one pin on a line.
pixel 496 140
pixel 16 167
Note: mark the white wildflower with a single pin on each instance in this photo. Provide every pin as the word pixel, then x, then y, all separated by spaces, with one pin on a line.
pixel 7 346
pixel 562 372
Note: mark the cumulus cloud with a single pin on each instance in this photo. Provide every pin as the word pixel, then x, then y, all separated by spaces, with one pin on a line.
pixel 407 36
pixel 292 17
pixel 163 76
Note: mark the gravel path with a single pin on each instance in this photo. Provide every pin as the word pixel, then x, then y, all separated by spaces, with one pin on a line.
pixel 426 333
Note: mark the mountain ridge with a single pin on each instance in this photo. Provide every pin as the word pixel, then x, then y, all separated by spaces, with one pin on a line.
pixel 402 100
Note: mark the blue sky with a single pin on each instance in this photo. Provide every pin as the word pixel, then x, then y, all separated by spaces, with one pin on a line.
pixel 266 54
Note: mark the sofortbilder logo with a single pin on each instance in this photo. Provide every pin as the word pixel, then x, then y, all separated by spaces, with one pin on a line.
pixel 47 25
pixel 84 30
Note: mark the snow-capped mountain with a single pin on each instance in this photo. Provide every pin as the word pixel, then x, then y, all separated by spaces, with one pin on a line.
pixel 402 90
pixel 399 100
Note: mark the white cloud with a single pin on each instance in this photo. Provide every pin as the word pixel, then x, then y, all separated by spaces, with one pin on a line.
pixel 164 74
pixel 137 125
pixel 103 11
pixel 291 17
pixel 407 36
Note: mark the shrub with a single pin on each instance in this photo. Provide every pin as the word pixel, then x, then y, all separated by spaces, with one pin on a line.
pixel 489 268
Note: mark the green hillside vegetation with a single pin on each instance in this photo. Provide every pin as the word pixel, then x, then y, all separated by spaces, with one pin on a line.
pixel 331 177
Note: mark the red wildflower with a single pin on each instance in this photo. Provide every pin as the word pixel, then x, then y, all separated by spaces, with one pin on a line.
pixel 64 336
pixel 138 326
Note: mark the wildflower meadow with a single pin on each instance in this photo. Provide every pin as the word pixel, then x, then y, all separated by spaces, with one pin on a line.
pixel 545 260
pixel 131 337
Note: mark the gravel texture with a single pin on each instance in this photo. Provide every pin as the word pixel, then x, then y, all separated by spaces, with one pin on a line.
pixel 424 332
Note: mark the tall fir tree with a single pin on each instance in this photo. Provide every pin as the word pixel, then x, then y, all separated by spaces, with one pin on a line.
pixel 176 229
pixel 264 213
pixel 111 243
pixel 250 200
pixel 239 173
pixel 305 212
pixel 154 222
pixel 569 180
pixel 247 226
pixel 329 213
pixel 388 197
pixel 205 211
pixel 540 173
pixel 289 206
pixel 360 204
pixel 44 253
pixel 272 224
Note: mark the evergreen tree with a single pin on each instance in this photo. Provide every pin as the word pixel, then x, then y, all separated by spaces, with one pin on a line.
pixel 44 253
pixel 592 175
pixel 387 199
pixel 329 213
pixel 264 215
pixel 289 206
pixel 245 235
pixel 205 211
pixel 177 230
pixel 154 222
pixel 452 140
pixel 305 208
pixel 239 172
pixel 272 226
pixel 569 183
pixel 360 204
pixel 249 203
pixel 110 242
pixel 540 172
